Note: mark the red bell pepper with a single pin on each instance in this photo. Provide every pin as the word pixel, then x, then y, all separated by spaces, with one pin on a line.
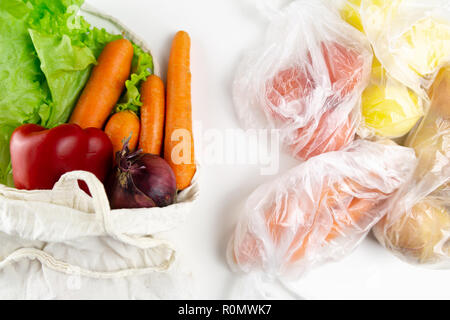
pixel 40 156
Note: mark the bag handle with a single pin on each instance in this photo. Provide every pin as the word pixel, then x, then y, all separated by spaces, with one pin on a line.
pixel 100 201
pixel 102 209
pixel 63 267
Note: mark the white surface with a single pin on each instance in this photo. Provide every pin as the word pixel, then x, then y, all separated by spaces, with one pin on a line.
pixel 220 31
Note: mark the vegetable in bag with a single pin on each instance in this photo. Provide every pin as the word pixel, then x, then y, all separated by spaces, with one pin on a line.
pixel 40 157
pixel 320 210
pixel 417 227
pixel 306 80
pixel 105 85
pixel 421 234
pixel 140 180
pixel 411 38
pixel 431 139
pixel 46 64
pixel 389 108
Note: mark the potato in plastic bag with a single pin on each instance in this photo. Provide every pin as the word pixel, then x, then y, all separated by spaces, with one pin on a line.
pixel 306 79
pixel 411 38
pixel 417 227
pixel 320 210
pixel 421 234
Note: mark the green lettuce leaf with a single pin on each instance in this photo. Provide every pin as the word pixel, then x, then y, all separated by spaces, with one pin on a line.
pixel 67 48
pixel 5 163
pixel 142 67
pixel 22 84
pixel 46 59
pixel 66 68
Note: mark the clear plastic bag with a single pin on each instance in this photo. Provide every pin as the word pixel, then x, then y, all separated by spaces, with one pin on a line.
pixel 411 38
pixel 320 210
pixel 421 233
pixel 389 108
pixel 417 227
pixel 306 79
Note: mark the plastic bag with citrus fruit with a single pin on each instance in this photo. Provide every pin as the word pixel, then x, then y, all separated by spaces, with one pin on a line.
pixel 305 80
pixel 411 38
pixel 320 210
pixel 389 108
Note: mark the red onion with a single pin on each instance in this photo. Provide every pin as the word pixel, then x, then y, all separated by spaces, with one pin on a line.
pixel 140 181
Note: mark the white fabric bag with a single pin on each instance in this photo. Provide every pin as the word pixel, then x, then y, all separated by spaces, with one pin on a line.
pixel 64 244
pixel 65 231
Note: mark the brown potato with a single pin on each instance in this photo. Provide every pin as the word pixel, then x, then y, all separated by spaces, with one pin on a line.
pixel 420 235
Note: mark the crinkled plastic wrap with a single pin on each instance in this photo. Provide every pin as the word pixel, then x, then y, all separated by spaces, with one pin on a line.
pixel 411 38
pixel 320 210
pixel 417 227
pixel 389 108
pixel 419 234
pixel 306 79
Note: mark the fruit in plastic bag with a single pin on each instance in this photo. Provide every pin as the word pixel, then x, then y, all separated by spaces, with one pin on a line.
pixel 389 108
pixel 320 210
pixel 390 111
pixel 411 38
pixel 306 80
pixel 426 46
pixel 417 227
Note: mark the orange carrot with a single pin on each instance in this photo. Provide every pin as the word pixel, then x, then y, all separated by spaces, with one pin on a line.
pixel 179 140
pixel 278 219
pixel 122 126
pixel 152 115
pixel 105 85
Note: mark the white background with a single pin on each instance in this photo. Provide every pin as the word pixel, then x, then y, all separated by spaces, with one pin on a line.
pixel 221 30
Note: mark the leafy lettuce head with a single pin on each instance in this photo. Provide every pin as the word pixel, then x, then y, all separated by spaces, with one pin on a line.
pixel 46 63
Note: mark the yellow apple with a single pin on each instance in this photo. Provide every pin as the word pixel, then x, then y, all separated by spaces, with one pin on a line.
pixel 390 109
pixel 425 46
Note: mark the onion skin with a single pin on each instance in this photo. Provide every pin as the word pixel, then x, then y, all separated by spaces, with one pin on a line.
pixel 141 181
pixel 123 194
pixel 158 178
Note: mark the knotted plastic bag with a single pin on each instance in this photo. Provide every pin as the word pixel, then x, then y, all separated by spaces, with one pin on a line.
pixel 320 210
pixel 306 79
pixel 417 227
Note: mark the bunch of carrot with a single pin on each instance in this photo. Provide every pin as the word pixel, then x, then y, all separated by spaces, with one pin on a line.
pixel 161 120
